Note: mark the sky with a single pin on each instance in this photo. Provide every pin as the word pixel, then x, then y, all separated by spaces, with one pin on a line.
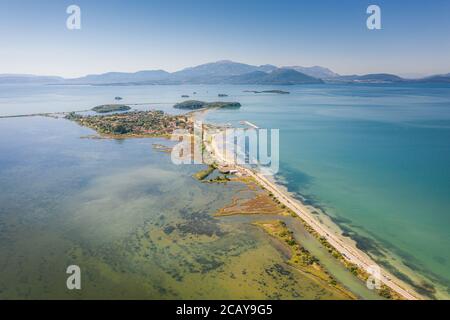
pixel 137 35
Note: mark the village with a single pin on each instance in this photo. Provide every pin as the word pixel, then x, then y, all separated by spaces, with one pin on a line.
pixel 135 123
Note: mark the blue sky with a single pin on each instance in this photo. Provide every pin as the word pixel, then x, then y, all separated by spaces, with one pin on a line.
pixel 141 35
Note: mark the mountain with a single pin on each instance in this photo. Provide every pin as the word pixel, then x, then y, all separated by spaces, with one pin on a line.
pixel 440 78
pixel 121 77
pixel 247 78
pixel 221 68
pixel 267 68
pixel 288 76
pixel 222 72
pixel 276 77
pixel 315 71
pixel 370 78
pixel 28 79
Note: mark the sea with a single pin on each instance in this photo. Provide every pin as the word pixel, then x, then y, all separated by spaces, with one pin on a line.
pixel 371 158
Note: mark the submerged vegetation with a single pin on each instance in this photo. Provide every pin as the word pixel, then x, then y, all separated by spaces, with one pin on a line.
pixel 203 174
pixel 157 123
pixel 384 291
pixel 265 203
pixel 301 258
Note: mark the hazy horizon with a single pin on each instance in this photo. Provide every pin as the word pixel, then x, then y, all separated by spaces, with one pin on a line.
pixel 408 75
pixel 130 36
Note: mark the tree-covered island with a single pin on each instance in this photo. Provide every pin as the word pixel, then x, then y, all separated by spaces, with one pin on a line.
pixel 111 108
pixel 195 105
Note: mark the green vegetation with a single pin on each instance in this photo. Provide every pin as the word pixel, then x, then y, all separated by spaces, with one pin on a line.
pixel 111 108
pixel 203 174
pixel 219 179
pixel 195 104
pixel 137 123
pixel 384 291
pixel 299 254
pixel 223 105
pixel 190 104
pixel 301 258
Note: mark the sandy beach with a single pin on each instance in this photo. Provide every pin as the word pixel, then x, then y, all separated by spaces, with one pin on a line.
pixel 342 244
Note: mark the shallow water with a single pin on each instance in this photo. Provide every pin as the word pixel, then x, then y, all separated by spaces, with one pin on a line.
pixel 138 226
pixel 375 158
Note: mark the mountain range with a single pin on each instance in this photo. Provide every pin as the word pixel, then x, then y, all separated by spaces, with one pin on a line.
pixel 223 72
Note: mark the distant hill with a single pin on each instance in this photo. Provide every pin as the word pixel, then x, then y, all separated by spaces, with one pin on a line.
pixel 247 78
pixel 278 76
pixel 288 76
pixel 121 77
pixel 389 78
pixel 315 71
pixel 221 68
pixel 370 78
pixel 267 68
pixel 226 72
pixel 28 79
pixel 441 78
pixel 222 72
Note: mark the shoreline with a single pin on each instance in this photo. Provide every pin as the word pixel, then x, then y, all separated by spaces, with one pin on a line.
pixel 343 245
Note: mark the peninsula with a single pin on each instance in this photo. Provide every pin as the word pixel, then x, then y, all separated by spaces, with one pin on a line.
pixel 134 124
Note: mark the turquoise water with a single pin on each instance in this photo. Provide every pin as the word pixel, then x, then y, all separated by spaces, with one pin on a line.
pixel 138 226
pixel 375 158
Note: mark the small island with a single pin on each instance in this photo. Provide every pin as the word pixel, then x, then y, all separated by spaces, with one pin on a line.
pixel 106 108
pixel 269 91
pixel 195 105
pixel 222 95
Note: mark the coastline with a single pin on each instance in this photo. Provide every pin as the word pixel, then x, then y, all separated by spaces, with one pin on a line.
pixel 341 244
